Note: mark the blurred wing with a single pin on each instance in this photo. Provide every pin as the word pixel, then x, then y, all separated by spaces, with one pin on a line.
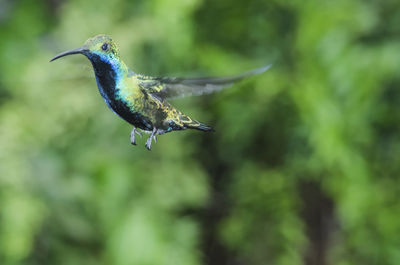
pixel 174 87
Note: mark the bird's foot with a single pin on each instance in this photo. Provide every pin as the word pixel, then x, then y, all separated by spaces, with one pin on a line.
pixel 148 144
pixel 134 130
pixel 150 139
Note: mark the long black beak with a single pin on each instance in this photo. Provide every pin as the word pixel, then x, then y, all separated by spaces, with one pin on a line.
pixel 74 51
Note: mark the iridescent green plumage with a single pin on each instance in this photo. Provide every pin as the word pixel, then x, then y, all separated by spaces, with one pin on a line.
pixel 142 100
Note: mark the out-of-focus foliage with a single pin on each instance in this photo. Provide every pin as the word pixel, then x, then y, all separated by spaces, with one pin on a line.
pixel 303 168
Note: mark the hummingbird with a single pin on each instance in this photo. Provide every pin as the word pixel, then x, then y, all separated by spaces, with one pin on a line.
pixel 141 100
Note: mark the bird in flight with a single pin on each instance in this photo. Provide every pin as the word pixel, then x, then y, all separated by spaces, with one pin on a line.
pixel 142 100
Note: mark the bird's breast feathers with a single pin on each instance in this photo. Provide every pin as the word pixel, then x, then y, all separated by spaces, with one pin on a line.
pixel 127 91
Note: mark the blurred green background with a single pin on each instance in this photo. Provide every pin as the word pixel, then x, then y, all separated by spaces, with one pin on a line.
pixel 303 167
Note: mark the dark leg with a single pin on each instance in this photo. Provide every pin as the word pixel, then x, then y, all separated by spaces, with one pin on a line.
pixel 152 136
pixel 134 130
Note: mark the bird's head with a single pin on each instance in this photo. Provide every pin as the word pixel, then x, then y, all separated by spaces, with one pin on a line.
pixel 100 47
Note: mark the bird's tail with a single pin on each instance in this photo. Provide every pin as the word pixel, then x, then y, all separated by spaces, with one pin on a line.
pixel 202 127
pixel 193 124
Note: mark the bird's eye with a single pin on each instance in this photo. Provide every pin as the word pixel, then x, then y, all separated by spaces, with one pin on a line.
pixel 104 47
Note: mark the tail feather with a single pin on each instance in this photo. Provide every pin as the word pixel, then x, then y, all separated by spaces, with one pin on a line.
pixel 185 121
pixel 202 127
pixel 193 124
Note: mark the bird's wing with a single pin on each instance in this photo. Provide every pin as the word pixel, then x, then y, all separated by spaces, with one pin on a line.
pixel 175 87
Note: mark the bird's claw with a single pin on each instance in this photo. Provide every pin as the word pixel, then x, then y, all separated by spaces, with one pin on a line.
pixel 148 142
pixel 148 146
pixel 150 139
pixel 133 141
